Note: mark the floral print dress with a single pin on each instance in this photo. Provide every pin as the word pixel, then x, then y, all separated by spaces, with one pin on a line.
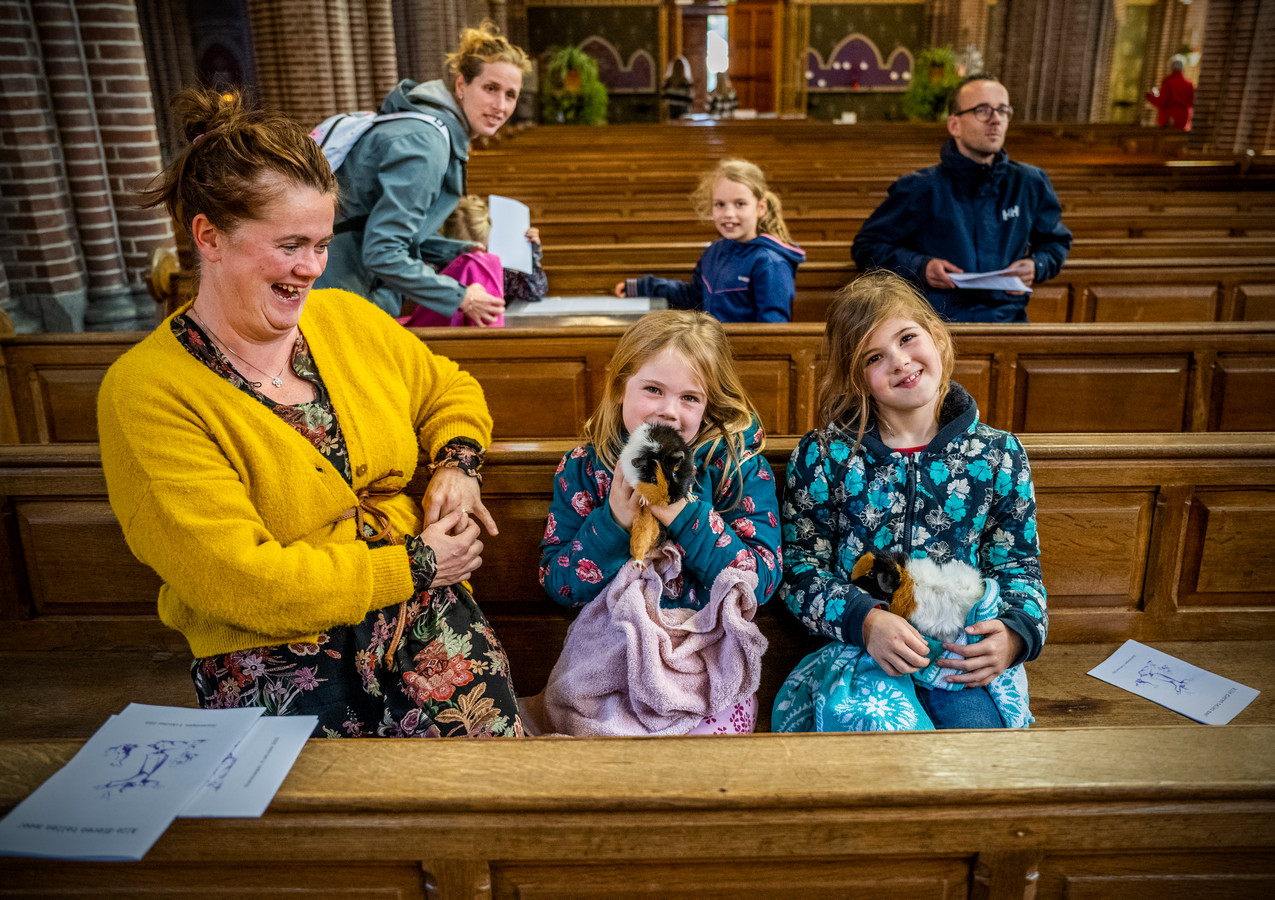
pixel 448 675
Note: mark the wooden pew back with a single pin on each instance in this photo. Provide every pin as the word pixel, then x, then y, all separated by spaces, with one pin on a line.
pixel 541 383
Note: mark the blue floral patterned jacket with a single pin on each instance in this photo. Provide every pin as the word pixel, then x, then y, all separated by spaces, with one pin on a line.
pixel 733 523
pixel 968 496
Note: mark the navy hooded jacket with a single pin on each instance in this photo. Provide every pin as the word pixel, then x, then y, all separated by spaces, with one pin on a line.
pixel 978 217
pixel 734 281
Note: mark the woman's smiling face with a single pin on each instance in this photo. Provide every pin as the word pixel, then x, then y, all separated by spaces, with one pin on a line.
pixel 489 100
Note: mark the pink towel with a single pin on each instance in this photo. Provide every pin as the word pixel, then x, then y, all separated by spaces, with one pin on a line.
pixel 630 668
pixel 468 268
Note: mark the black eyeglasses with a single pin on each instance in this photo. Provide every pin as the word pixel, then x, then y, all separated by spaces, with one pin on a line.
pixel 983 112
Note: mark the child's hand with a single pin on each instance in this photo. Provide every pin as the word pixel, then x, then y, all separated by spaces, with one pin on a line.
pixel 982 662
pixel 891 640
pixel 619 289
pixel 624 502
pixel 533 235
pixel 666 514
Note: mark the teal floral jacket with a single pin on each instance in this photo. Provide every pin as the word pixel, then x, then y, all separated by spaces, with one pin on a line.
pixel 968 496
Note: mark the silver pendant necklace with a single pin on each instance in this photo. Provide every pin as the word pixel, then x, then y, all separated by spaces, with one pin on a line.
pixel 277 380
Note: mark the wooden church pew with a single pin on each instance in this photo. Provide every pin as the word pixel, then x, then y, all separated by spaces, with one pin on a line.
pixel 543 382
pixel 1161 538
pixel 1044 815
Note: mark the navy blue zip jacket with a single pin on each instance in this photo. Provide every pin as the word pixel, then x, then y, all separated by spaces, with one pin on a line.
pixel 734 281
pixel 981 218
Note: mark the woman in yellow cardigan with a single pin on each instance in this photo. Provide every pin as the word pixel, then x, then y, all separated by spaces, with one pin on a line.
pixel 256 446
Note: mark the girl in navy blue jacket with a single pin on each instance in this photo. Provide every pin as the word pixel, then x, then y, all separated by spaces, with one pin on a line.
pixel 747 276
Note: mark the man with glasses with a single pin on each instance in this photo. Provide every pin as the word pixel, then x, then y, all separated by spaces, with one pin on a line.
pixel 976 211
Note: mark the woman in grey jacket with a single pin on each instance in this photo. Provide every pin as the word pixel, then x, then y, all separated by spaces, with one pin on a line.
pixel 404 177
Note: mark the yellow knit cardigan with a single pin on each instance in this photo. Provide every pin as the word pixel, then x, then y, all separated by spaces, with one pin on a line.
pixel 238 513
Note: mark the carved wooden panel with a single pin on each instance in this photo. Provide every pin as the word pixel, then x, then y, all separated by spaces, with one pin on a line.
pixel 905 878
pixel 1256 302
pixel 1154 302
pixel 105 578
pixel 1049 303
pixel 68 399
pixel 1229 550
pixel 533 398
pixel 1184 875
pixel 1243 394
pixel 1101 394
pixel 768 381
pixel 974 373
pixel 1093 546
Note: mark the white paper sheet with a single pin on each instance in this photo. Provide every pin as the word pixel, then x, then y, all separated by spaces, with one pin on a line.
pixel 248 777
pixel 989 281
pixel 1194 692
pixel 115 797
pixel 508 238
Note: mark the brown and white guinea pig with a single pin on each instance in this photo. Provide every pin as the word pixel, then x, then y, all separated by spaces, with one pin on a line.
pixel 934 597
pixel 661 468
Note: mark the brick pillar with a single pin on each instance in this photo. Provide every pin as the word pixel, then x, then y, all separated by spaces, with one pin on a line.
pixel 39 247
pixel 1235 98
pixel 1053 56
pixel 340 59
pixel 360 44
pixel 110 298
pixel 170 63
pixel 305 62
pixel 121 90
pixel 381 43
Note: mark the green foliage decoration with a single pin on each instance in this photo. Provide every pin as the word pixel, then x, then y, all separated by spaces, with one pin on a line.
pixel 573 94
pixel 934 78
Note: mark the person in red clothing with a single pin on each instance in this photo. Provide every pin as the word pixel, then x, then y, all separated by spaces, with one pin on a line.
pixel 1174 98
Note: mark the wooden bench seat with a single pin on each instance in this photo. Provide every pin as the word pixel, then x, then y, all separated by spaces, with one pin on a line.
pixel 1032 378
pixel 1049 814
pixel 1162 538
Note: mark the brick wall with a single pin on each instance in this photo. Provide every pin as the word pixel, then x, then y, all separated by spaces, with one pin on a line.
pixel 121 90
pixel 38 246
pixel 84 157
pixel 1235 98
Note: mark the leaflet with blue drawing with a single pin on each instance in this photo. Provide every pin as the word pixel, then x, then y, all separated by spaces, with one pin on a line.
pixel 248 776
pixel 1194 692
pixel 115 797
pixel 508 238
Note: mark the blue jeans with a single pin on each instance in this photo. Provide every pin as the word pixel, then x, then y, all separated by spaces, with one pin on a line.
pixel 972 707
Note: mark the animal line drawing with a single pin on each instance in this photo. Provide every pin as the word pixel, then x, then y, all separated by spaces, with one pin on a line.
pixel 157 754
pixel 1155 675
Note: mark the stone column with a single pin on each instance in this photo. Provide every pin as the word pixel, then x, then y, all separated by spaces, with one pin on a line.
pixel 39 246
pixel 121 90
pixel 110 298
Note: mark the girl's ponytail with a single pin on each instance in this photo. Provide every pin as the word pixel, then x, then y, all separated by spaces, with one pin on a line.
pixel 772 221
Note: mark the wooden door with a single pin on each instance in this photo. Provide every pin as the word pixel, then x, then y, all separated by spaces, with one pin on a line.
pixel 755 39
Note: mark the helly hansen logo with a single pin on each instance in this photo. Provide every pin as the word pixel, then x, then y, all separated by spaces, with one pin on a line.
pixel 1011 213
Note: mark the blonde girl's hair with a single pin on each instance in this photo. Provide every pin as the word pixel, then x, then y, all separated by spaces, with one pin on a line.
pixel 857 311
pixel 700 339
pixel 469 221
pixel 481 46
pixel 236 160
pixel 750 176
